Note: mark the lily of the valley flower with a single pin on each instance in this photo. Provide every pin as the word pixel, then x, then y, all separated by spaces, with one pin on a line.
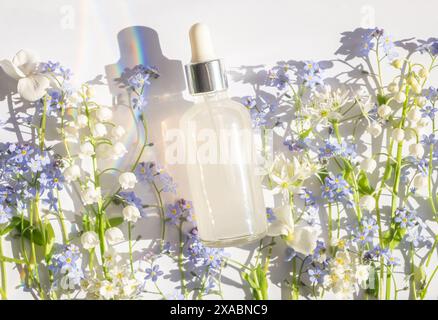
pixel 301 238
pixel 32 85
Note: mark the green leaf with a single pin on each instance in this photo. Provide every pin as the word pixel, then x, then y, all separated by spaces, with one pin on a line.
pixel 263 282
pixel 420 276
pixel 50 240
pixel 250 281
pixel 114 222
pixel 382 99
pixel 322 175
pixel 305 133
pixel 393 237
pixel 363 184
pixel 387 174
pixel 11 226
pixel 25 229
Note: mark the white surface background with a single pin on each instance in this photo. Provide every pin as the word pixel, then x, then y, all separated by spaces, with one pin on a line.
pixel 83 35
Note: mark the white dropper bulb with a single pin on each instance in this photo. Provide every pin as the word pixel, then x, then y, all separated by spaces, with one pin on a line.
pixel 200 41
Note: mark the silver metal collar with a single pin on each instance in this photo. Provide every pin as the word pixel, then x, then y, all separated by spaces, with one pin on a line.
pixel 206 77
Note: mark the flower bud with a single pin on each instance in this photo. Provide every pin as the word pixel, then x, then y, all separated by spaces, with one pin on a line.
pixel 114 235
pixel 420 101
pixel 368 165
pixel 414 115
pixel 86 150
pixel 393 87
pixel 131 213
pixel 89 240
pixel 118 150
pixel 104 114
pixel 82 121
pixel 375 129
pixel 411 133
pixel 89 92
pixel 423 73
pixel 367 202
pixel 127 180
pixel 117 132
pixel 416 88
pixel 416 150
pixel 99 130
pixel 411 80
pixel 400 97
pixel 384 111
pixel 397 63
pixel 398 134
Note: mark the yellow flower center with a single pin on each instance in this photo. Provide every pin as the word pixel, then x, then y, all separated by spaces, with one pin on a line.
pixel 290 237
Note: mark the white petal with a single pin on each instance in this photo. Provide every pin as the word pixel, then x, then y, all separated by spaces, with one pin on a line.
pixel 284 215
pixel 277 228
pixel 26 61
pixel 33 87
pixel 11 69
pixel 283 223
pixel 304 240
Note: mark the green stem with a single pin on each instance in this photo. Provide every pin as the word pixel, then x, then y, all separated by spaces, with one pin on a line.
pixel 432 250
pixel 3 273
pixel 424 291
pixel 379 68
pixel 413 285
pixel 61 218
pixel 295 289
pixel 162 214
pixel 180 259
pixel 33 258
pixel 379 224
pixel 338 230
pixel 330 243
pixel 203 282
pixel 42 130
pixel 131 261
pixel 431 197
pixel 388 282
pixel 395 188
pixel 63 137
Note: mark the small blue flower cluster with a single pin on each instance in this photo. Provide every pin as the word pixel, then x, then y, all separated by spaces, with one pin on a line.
pixel 279 77
pixel 181 210
pixel 407 219
pixel 200 255
pixel 260 110
pixel 384 39
pixel 56 69
pixel 311 75
pixel 152 173
pixel 333 149
pixel 298 145
pixel 25 173
pixel 336 189
pixel 378 252
pixel 204 260
pixel 366 232
pixel 66 267
pixel 137 79
pixel 56 98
